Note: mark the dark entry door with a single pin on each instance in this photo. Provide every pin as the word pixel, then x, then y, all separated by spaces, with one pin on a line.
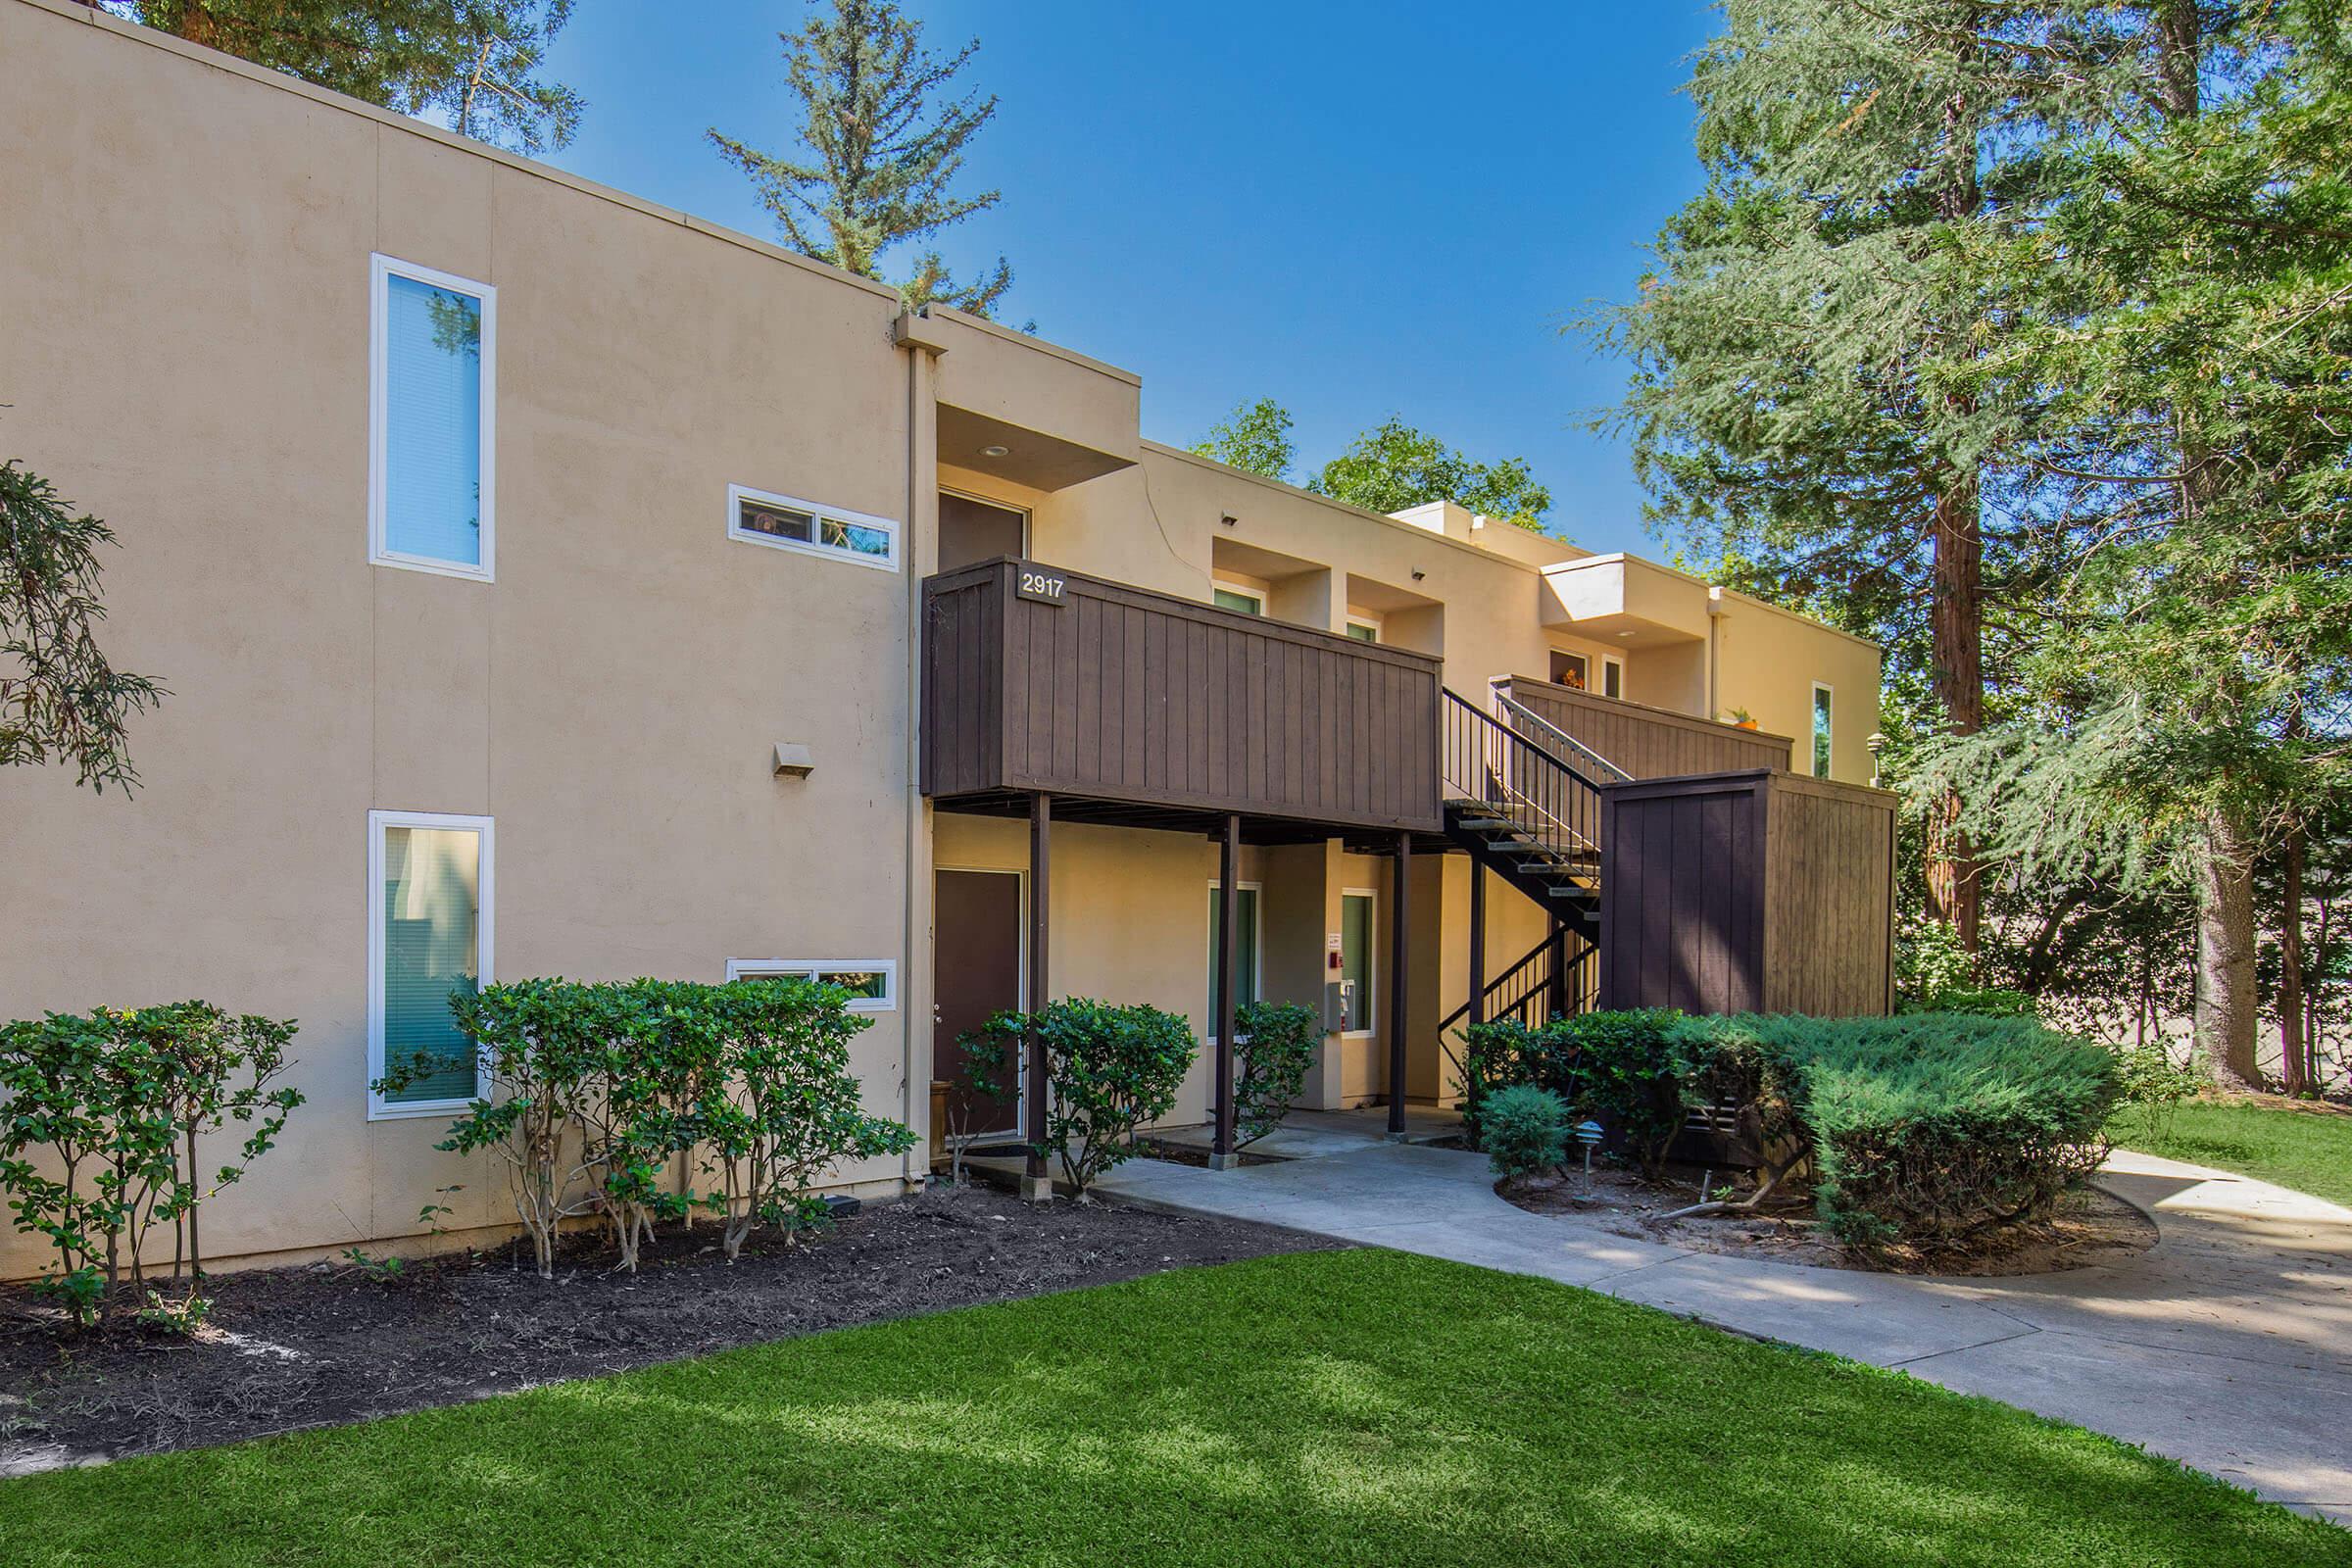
pixel 978 960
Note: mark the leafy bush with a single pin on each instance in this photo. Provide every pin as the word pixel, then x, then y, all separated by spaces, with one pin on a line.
pixel 2152 1087
pixel 1277 1043
pixel 1526 1130
pixel 100 1117
pixel 1109 1070
pixel 600 1092
pixel 1934 973
pixel 1618 1068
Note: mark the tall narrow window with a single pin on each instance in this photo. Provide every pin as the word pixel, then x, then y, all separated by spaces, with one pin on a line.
pixel 428 939
pixel 1612 677
pixel 433 354
pixel 1356 961
pixel 1244 963
pixel 1820 730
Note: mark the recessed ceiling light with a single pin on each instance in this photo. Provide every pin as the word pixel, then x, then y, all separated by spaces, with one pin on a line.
pixel 1624 634
pixel 994 451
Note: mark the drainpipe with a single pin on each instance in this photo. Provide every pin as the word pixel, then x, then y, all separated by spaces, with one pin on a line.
pixel 919 555
pixel 1716 611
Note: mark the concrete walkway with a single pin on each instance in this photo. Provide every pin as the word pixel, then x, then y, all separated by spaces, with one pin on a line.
pixel 2227 1346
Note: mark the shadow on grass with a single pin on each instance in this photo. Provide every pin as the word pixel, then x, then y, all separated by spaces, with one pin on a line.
pixel 1355 1407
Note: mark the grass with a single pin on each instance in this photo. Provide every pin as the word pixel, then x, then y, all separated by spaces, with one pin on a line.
pixel 2308 1150
pixel 1346 1407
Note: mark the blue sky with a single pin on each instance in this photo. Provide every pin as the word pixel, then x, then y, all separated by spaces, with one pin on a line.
pixel 1357 210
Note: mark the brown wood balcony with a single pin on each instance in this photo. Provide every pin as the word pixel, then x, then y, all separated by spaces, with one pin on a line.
pixel 1132 706
pixel 1645 742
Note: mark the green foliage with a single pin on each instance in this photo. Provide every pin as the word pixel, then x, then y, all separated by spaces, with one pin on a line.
pixel 611 1100
pixel 1934 973
pixel 2305 1147
pixel 174 1319
pixel 1276 1043
pixel 1526 1131
pixel 879 154
pixel 2150 1090
pixel 1256 437
pixel 1109 1070
pixel 1617 1068
pixel 100 1117
pixel 58 694
pixel 470 62
pixel 1394 466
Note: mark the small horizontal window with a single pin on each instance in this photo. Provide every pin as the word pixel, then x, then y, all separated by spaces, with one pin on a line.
pixel 872 983
pixel 758 518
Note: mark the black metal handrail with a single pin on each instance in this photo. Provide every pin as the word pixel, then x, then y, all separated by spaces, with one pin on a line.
pixel 1558 741
pixel 1531 999
pixel 1507 993
pixel 1545 797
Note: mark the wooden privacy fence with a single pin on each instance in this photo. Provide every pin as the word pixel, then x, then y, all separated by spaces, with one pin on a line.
pixel 1748 892
pixel 1643 741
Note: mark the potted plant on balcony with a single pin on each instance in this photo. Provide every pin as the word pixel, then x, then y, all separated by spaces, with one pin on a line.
pixel 1742 718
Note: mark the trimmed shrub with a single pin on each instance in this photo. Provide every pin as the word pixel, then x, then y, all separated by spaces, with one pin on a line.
pixel 1110 1070
pixel 1930 1127
pixel 1276 1045
pixel 1527 1131
pixel 1494 1056
pixel 100 1116
pixel 1617 1068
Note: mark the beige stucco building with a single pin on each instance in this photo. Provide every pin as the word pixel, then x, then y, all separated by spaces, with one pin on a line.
pixel 711 485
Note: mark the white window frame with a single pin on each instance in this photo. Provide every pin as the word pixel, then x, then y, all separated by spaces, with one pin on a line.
pixel 1568 652
pixel 1371 959
pixel 1025 513
pixel 1258 959
pixel 737 494
pixel 1257 596
pixel 1374 623
pixel 381 269
pixel 811 968
pixel 484 921
pixel 1609 662
pixel 1813 759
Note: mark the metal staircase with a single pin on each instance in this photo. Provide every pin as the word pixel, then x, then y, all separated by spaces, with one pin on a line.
pixel 1526 807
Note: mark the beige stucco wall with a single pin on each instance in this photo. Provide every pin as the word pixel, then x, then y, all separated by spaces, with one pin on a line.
pixel 186 355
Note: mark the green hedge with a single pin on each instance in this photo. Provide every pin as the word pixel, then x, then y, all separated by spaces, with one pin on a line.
pixel 1923 1128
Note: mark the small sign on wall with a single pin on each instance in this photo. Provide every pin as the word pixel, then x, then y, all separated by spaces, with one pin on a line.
pixel 1040 583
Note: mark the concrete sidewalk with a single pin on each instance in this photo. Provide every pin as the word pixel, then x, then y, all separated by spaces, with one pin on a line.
pixel 2227 1346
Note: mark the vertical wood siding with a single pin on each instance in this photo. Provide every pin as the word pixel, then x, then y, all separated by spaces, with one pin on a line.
pixel 1649 742
pixel 1741 892
pixel 1121 694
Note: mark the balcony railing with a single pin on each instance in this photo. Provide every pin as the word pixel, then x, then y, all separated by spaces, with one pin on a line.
pixel 1039 679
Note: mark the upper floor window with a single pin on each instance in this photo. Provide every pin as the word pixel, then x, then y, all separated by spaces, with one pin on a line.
pixel 1235 597
pixel 1362 627
pixel 759 517
pixel 432 364
pixel 1612 676
pixel 1570 669
pixel 1822 718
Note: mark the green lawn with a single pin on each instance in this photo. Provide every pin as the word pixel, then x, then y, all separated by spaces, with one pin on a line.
pixel 1347 1407
pixel 2308 1150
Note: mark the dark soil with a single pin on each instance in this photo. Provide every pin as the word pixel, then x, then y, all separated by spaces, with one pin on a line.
pixel 292 1348
pixel 2091 1227
pixel 1190 1154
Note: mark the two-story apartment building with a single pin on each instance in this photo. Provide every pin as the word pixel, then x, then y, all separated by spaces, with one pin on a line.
pixel 548 582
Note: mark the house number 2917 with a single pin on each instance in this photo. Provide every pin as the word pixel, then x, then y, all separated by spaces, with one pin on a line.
pixel 1044 587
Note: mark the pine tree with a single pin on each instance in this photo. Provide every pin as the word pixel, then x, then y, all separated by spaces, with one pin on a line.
pixel 881 154
pixel 471 62
pixel 1809 395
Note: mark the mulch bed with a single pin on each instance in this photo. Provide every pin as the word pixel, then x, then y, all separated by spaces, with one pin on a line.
pixel 293 1347
pixel 2092 1227
pixel 1198 1157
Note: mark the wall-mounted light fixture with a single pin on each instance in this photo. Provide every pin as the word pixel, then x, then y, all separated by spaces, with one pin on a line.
pixel 1229 519
pixel 793 759
pixel 1418 575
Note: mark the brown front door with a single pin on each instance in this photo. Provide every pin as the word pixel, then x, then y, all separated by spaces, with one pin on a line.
pixel 977 958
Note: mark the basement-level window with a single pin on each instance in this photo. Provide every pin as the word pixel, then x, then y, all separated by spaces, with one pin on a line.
pixel 428 939
pixel 872 983
pixel 783 522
